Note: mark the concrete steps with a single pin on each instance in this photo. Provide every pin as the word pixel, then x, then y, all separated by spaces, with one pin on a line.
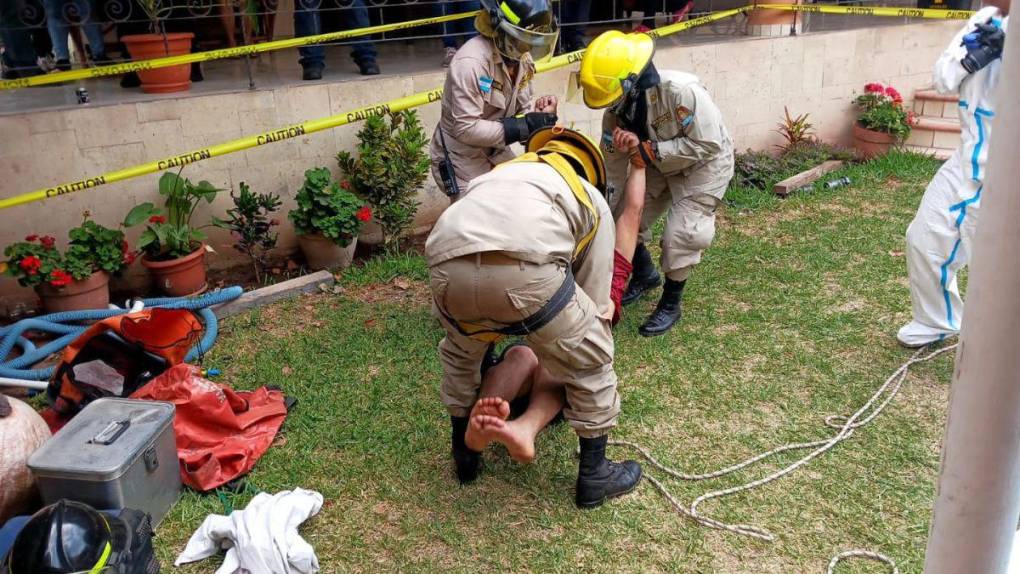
pixel 936 130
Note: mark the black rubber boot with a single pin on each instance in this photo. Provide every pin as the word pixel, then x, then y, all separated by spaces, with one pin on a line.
pixel 667 312
pixel 643 278
pixel 465 460
pixel 312 73
pixel 598 478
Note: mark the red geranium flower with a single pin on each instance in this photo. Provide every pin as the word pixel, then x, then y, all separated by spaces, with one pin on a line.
pixel 364 214
pixel 129 257
pixel 60 278
pixel 874 88
pixel 47 241
pixel 157 219
pixel 30 265
pixel 32 237
pixel 346 185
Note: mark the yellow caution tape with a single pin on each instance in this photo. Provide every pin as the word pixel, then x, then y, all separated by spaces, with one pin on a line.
pixel 396 105
pixel 933 13
pixel 118 69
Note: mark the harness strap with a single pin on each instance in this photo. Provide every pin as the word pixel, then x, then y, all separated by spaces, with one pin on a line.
pixel 564 293
pixel 563 167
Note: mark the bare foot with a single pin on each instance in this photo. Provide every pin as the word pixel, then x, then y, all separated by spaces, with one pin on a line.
pixel 510 434
pixel 494 407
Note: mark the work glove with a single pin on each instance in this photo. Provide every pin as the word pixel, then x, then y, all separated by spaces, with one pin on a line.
pixel 984 45
pixel 518 128
pixel 644 154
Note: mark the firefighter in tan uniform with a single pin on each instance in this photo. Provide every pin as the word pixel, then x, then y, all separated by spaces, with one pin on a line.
pixel 487 102
pixel 529 252
pixel 689 152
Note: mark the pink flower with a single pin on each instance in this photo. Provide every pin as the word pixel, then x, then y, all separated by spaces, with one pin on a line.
pixel 874 88
pixel 346 185
pixel 32 237
pixel 47 241
pixel 30 265
pixel 60 278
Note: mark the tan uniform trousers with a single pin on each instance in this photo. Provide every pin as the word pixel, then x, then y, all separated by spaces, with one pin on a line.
pixel 690 219
pixel 576 346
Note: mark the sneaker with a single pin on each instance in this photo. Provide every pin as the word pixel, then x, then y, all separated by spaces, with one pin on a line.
pixel 312 73
pixel 448 56
pixel 63 65
pixel 368 68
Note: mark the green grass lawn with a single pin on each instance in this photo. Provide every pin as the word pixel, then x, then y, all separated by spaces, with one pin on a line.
pixel 790 317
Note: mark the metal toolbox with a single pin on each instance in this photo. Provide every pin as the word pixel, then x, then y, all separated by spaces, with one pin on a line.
pixel 116 453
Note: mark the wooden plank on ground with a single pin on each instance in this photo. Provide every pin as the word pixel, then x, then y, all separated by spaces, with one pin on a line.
pixel 273 293
pixel 790 184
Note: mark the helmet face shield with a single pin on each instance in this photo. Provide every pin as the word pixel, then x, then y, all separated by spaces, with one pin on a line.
pixel 514 41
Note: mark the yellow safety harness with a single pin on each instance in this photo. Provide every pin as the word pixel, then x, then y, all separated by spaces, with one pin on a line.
pixel 565 292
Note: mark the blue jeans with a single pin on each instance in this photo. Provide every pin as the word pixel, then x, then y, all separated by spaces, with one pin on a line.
pixel 57 24
pixel 464 28
pixel 307 22
pixel 572 11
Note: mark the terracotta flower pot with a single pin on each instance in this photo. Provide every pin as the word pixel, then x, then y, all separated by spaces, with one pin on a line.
pixel 322 253
pixel 93 292
pixel 150 46
pixel 179 277
pixel 870 143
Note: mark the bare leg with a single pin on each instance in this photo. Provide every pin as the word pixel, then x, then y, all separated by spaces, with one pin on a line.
pixel 518 435
pixel 511 378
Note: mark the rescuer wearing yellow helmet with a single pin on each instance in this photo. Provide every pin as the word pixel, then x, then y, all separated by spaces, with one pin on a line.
pixel 528 252
pixel 487 100
pixel 689 153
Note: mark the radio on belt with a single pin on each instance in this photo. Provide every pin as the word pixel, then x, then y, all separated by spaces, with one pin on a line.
pixel 116 453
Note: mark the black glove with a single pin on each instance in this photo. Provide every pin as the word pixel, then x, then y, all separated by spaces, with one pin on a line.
pixel 518 128
pixel 984 45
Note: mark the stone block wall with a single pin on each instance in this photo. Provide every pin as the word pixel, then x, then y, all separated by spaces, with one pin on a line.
pixel 751 79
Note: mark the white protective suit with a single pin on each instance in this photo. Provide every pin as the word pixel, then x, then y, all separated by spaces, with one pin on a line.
pixel 261 539
pixel 939 239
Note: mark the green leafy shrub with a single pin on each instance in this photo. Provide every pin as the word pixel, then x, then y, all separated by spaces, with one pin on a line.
pixel 324 207
pixel 392 163
pixel 795 130
pixel 92 247
pixel 756 172
pixel 169 234
pixel 250 225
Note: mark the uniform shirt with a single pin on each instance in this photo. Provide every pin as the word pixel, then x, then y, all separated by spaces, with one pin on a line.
pixel 525 210
pixel 478 93
pixel 685 124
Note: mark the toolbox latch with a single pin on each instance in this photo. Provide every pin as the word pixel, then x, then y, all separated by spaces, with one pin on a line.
pixel 151 461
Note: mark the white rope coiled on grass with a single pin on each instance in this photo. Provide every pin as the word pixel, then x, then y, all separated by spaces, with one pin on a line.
pixel 845 428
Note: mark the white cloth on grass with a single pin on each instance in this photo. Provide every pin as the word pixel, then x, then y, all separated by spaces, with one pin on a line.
pixel 261 539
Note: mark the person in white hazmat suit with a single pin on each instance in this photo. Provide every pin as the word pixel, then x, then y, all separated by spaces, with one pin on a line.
pixel 939 239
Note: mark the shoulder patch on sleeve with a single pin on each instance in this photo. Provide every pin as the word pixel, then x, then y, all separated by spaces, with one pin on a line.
pixel 684 115
pixel 485 84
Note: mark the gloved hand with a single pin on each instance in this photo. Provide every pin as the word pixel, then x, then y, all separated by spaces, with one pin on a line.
pixel 518 128
pixel 643 155
pixel 984 45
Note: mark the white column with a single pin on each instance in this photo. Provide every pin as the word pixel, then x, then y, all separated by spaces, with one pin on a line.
pixel 978 499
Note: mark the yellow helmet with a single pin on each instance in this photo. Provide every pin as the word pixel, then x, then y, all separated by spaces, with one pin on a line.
pixel 612 64
pixel 573 145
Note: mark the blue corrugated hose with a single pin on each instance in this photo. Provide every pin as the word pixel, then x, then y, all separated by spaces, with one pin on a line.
pixel 70 324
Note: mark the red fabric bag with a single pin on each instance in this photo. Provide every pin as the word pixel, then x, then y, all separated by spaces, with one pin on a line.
pixel 221 433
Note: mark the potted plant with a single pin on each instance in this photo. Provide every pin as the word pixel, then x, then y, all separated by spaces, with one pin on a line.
pixel 251 227
pixel 159 44
pixel 77 279
pixel 327 220
pixel 882 122
pixel 174 250
pixel 391 165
